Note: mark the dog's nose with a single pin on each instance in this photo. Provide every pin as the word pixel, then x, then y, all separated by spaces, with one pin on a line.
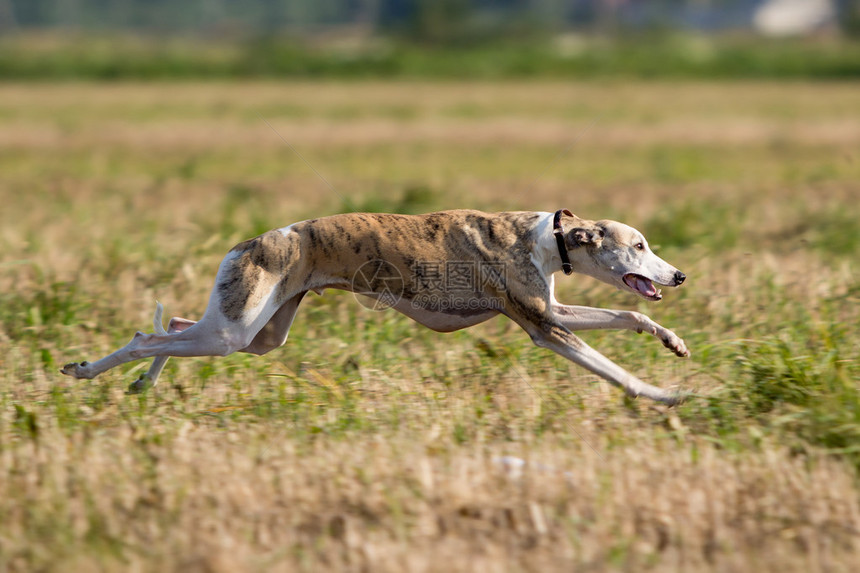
pixel 679 277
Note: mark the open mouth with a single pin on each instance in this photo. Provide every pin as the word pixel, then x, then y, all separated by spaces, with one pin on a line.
pixel 642 286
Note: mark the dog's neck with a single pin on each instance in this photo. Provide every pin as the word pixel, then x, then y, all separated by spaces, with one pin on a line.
pixel 545 255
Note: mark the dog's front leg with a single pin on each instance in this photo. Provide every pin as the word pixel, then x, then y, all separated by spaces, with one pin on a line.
pixel 560 340
pixel 590 318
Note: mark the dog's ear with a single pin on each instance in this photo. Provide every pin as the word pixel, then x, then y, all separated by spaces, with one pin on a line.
pixel 582 236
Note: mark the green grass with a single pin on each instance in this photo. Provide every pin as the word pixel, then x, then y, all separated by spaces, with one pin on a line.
pixel 60 56
pixel 368 441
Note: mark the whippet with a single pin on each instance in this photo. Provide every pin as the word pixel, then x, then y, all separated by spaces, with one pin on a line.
pixel 447 270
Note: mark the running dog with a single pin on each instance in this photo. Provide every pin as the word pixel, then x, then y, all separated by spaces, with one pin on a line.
pixel 447 270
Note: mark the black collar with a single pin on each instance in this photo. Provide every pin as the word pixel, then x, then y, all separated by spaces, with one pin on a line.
pixel 558 231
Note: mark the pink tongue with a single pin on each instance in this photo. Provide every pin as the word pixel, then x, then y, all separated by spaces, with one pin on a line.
pixel 645 287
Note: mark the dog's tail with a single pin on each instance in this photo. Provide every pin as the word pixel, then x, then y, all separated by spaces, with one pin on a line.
pixel 156 319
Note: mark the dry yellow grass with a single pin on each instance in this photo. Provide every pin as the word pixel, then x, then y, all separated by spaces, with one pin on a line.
pixel 368 444
pixel 247 498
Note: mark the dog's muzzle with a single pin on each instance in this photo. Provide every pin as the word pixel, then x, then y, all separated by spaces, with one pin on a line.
pixel 679 278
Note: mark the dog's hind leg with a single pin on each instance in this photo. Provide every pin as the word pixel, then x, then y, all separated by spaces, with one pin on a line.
pixel 213 335
pixel 149 379
pixel 274 333
pixel 199 339
pixel 250 288
pixel 271 336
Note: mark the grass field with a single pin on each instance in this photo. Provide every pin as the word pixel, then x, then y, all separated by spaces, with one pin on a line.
pixel 627 53
pixel 368 443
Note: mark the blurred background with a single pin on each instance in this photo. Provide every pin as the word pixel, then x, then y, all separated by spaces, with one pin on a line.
pixel 428 38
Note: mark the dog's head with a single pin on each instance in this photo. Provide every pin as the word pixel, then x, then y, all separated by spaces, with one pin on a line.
pixel 619 255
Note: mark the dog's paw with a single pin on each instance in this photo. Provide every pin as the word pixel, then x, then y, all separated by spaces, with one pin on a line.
pixel 141 385
pixel 77 370
pixel 675 399
pixel 667 397
pixel 674 343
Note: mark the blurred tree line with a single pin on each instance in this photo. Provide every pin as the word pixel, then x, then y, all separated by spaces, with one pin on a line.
pixel 421 20
pixel 144 39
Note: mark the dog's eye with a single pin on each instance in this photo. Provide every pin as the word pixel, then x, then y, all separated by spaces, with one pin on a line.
pixel 639 247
